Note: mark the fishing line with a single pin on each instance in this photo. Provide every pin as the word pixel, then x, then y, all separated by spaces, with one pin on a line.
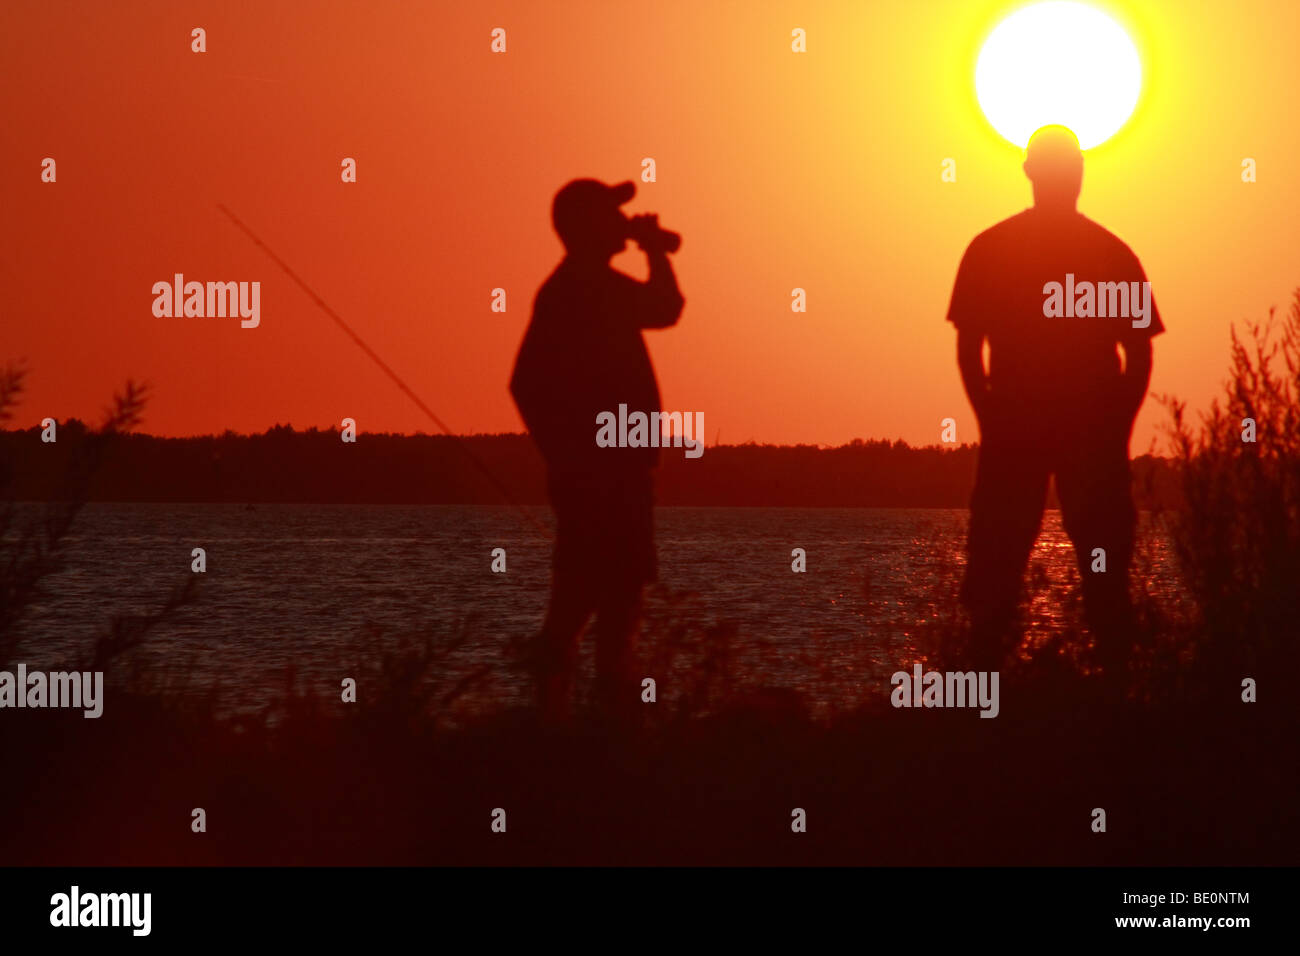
pixel 397 379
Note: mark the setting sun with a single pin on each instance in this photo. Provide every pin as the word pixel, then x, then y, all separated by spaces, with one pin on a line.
pixel 1058 63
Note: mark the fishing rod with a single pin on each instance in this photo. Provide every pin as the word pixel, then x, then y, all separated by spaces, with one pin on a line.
pixel 397 379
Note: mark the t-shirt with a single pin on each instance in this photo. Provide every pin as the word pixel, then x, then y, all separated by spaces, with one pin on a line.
pixel 584 354
pixel 1000 292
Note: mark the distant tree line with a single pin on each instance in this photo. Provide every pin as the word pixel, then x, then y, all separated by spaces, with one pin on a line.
pixel 314 466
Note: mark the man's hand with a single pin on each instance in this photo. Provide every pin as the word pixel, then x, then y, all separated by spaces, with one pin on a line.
pixel 652 239
pixel 643 228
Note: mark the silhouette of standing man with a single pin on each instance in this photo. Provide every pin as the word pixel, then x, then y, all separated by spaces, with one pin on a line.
pixel 1054 400
pixel 583 354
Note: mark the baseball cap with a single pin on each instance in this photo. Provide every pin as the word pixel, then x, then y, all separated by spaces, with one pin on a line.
pixel 576 201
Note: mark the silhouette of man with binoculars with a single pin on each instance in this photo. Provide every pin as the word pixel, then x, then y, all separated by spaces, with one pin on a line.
pixel 583 354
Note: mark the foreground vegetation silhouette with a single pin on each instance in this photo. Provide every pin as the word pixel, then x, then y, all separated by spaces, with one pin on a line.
pixel 1187 772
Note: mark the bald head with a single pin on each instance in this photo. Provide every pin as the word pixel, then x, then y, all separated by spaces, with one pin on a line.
pixel 1054 164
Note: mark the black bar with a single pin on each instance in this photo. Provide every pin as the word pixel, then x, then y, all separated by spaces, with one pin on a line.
pixel 664 906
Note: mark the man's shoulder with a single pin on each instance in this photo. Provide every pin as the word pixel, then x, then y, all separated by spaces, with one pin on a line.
pixel 1015 225
pixel 1007 232
pixel 1103 236
pixel 1027 226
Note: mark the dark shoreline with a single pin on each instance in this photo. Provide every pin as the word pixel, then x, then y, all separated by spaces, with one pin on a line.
pixel 283 465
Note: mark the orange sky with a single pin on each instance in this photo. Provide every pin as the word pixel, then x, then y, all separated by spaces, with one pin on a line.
pixel 819 170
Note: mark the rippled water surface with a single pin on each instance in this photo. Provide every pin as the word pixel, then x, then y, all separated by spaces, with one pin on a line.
pixel 308 586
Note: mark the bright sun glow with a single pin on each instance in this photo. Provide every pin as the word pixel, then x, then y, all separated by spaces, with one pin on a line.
pixel 1058 63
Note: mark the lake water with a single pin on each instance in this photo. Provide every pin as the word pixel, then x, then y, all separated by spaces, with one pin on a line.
pixel 320 588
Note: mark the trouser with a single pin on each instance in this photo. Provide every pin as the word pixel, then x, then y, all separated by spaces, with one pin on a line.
pixel 1093 485
pixel 604 555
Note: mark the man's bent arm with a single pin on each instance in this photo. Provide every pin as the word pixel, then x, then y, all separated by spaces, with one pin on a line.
pixel 662 299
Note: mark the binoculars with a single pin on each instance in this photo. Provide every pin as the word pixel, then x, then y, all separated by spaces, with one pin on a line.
pixel 647 233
